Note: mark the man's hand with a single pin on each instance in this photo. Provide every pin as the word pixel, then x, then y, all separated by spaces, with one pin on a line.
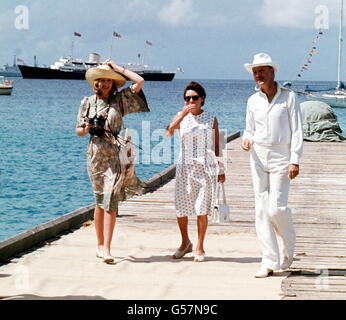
pixel 246 145
pixel 293 171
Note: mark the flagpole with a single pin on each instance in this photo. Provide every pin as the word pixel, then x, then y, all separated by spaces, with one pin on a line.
pixel 110 55
pixel 72 47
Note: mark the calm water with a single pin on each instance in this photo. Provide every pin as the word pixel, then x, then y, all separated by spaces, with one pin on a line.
pixel 43 163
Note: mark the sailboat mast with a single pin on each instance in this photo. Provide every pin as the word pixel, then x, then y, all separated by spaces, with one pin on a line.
pixel 340 45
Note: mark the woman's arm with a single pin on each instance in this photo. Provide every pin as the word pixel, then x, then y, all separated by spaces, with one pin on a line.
pixel 175 124
pixel 221 176
pixel 137 80
pixel 217 137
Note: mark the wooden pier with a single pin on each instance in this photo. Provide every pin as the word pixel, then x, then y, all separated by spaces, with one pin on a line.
pixel 318 201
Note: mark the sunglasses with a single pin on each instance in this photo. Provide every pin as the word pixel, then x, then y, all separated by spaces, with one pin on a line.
pixel 188 98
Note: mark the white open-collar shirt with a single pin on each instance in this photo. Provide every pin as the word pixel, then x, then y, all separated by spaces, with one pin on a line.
pixel 275 123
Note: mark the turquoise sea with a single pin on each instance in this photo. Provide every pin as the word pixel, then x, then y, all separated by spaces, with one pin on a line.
pixel 43 162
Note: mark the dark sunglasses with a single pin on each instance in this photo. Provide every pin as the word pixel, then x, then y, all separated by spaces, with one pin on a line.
pixel 194 98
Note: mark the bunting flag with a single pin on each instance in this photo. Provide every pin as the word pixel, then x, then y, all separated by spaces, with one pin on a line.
pixel 180 69
pixel 148 43
pixel 115 34
pixel 77 34
pixel 312 51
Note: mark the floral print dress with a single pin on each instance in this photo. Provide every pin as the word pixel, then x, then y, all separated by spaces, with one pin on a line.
pixel 104 168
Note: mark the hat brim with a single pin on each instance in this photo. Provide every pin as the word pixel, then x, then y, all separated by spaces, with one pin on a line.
pixel 248 66
pixel 96 73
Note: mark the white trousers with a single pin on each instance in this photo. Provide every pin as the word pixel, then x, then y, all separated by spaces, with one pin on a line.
pixel 274 223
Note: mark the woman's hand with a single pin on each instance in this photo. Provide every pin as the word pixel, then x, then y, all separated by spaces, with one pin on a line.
pixel 114 66
pixel 221 178
pixel 83 131
pixel 187 109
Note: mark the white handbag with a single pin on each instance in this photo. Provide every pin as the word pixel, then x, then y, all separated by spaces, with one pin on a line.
pixel 221 210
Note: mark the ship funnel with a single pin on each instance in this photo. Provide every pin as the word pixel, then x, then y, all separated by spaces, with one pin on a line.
pixel 94 58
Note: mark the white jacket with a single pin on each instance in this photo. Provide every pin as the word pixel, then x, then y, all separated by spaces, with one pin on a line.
pixel 278 122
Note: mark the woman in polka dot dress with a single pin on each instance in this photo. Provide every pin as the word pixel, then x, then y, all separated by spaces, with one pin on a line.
pixel 196 170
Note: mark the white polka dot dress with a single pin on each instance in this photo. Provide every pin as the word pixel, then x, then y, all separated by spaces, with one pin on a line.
pixel 196 168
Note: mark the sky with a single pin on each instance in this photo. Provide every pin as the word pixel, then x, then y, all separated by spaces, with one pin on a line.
pixel 208 39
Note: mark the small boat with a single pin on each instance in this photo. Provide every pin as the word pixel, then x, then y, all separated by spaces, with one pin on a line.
pixel 6 86
pixel 10 71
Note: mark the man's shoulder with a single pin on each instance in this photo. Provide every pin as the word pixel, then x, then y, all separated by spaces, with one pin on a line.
pixel 287 91
pixel 254 96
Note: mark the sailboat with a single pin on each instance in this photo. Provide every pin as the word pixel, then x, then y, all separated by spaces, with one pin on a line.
pixel 338 97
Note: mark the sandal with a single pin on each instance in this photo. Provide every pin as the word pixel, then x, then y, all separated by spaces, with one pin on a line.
pixel 99 254
pixel 199 258
pixel 108 259
pixel 178 254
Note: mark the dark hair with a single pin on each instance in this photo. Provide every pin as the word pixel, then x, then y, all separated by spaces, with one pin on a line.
pixel 195 86
pixel 98 92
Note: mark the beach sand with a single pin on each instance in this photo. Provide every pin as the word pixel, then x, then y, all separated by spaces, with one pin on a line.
pixel 67 268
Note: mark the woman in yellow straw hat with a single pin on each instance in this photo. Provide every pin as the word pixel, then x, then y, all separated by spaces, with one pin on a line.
pixel 101 116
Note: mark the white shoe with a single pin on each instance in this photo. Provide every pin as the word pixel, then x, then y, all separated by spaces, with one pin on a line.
pixel 263 272
pixel 178 254
pixel 108 259
pixel 99 254
pixel 286 263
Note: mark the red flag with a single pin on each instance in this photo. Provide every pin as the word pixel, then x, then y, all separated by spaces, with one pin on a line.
pixel 20 60
pixel 149 43
pixel 77 34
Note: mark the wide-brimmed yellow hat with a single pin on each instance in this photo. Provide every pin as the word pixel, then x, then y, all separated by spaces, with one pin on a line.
pixel 105 72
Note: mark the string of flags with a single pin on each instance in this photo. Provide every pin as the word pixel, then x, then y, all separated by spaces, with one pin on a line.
pixel 312 51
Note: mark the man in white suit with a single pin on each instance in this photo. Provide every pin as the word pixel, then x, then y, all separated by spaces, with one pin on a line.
pixel 274 137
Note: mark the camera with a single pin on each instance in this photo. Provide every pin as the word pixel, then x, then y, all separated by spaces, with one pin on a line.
pixel 98 123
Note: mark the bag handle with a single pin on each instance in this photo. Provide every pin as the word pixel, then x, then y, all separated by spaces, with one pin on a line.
pixel 223 192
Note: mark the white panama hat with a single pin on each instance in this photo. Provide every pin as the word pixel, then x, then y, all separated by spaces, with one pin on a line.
pixel 104 71
pixel 261 59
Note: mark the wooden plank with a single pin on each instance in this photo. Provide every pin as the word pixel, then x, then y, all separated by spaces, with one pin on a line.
pixel 318 202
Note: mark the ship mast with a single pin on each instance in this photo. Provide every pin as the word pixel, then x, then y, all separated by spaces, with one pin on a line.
pixel 340 45
pixel 72 45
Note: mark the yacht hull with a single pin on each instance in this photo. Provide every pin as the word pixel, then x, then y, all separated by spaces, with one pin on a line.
pixel 48 73
pixel 335 102
pixel 5 91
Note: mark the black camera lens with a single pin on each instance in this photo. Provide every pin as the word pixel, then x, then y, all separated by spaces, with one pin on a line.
pixel 98 125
